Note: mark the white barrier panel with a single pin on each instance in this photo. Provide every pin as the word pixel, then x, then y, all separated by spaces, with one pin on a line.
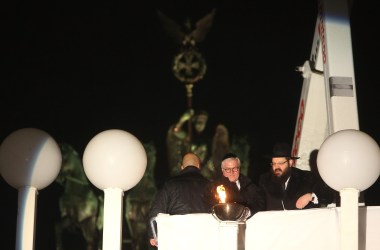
pixel 311 229
pixel 187 232
pixel 281 230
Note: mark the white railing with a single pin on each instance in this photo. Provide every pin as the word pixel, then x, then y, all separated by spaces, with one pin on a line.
pixel 312 229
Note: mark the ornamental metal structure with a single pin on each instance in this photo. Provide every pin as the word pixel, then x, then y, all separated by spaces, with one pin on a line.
pixel 189 66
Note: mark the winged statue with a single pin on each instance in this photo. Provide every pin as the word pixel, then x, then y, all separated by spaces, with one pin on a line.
pixel 187 33
pixel 189 65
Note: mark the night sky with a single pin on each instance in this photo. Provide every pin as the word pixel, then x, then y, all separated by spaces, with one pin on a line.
pixel 75 69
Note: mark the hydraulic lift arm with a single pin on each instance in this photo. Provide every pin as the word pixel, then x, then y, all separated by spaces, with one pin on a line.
pixel 328 98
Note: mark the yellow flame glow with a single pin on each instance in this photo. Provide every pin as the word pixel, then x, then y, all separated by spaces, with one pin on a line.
pixel 221 193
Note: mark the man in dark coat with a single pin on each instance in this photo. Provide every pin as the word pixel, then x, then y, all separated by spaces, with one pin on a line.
pixel 239 188
pixel 286 187
pixel 184 193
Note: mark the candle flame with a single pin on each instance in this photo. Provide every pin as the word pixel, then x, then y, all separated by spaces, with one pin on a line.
pixel 221 193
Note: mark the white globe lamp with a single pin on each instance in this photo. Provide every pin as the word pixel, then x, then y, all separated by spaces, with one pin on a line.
pixel 349 162
pixel 114 161
pixel 349 159
pixel 30 160
pixel 30 157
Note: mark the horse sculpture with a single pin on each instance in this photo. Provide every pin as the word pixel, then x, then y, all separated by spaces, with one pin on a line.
pixel 138 201
pixel 80 205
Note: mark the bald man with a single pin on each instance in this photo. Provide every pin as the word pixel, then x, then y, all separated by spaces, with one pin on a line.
pixel 184 193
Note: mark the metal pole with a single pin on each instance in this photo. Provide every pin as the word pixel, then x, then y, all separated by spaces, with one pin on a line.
pixel 189 92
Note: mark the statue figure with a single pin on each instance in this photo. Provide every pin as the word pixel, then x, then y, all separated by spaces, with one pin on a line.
pixel 80 207
pixel 240 146
pixel 189 67
pixel 189 134
pixel 138 200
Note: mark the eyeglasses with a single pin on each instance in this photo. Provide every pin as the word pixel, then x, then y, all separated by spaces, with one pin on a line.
pixel 278 163
pixel 228 170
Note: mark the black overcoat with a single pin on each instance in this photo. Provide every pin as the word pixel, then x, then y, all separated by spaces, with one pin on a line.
pixel 186 193
pixel 275 198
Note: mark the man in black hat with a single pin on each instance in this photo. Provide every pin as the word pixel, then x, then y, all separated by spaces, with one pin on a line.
pixel 239 188
pixel 286 187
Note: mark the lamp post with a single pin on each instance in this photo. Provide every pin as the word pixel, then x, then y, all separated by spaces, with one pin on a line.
pixel 114 161
pixel 349 162
pixel 30 160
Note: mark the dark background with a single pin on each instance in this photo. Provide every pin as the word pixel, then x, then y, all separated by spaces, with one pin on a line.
pixel 75 69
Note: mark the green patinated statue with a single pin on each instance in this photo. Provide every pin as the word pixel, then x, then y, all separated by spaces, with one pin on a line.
pixel 210 146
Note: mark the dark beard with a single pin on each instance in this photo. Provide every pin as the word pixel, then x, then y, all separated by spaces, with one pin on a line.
pixel 283 178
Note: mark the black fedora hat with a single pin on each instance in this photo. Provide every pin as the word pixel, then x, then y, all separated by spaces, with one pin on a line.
pixel 281 149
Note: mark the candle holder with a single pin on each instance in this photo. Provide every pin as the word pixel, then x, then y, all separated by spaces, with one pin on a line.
pixel 230 212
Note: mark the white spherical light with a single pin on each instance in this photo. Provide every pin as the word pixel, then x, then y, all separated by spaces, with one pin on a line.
pixel 30 157
pixel 349 159
pixel 114 159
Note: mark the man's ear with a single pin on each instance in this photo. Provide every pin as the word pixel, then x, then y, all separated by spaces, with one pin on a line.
pixel 291 162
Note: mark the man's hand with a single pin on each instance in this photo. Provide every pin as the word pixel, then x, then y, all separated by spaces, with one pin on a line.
pixel 153 242
pixel 304 200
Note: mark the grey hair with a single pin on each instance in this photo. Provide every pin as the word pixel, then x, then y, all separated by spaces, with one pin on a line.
pixel 236 158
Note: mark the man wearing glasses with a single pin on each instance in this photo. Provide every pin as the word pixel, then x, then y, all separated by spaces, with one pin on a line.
pixel 286 187
pixel 239 187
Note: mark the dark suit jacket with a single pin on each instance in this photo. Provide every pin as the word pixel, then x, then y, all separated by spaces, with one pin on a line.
pixel 185 193
pixel 300 183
